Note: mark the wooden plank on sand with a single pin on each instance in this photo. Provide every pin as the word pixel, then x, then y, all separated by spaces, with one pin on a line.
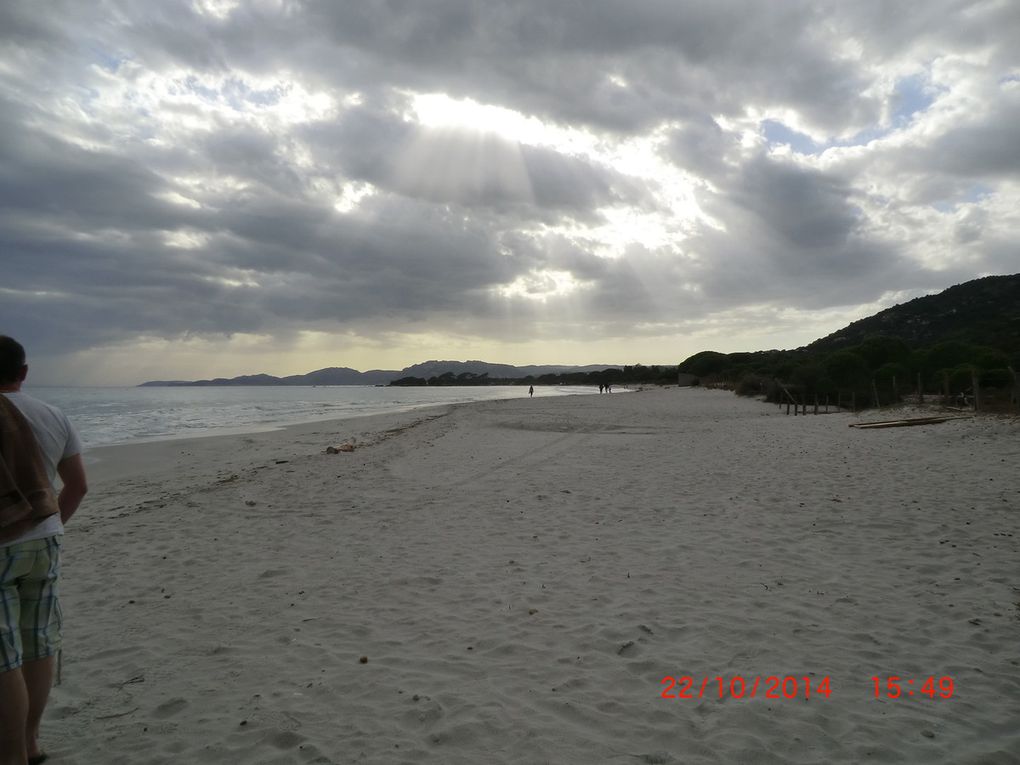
pixel 908 422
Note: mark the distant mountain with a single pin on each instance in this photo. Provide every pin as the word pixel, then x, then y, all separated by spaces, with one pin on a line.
pixel 348 376
pixel 242 380
pixel 982 312
pixel 340 376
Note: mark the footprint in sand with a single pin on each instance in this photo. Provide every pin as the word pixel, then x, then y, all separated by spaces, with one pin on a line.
pixel 169 708
pixel 286 739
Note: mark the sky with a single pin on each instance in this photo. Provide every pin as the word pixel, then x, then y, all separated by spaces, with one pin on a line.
pixel 200 188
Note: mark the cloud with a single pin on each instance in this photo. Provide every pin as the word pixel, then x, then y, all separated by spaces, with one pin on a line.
pixel 980 149
pixel 474 168
pixel 587 170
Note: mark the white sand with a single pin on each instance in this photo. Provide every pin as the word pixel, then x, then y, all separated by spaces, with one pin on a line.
pixel 522 574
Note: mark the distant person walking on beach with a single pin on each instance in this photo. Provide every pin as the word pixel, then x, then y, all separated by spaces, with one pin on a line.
pixel 531 390
pixel 39 443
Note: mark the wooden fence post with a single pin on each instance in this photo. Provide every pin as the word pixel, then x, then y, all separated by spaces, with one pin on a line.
pixel 920 390
pixel 976 384
pixel 874 391
pixel 789 398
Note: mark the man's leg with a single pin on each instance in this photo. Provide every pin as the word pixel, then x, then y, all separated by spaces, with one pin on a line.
pixel 38 676
pixel 13 694
pixel 13 717
pixel 38 634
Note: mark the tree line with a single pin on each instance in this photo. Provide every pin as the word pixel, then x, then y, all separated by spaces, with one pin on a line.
pixel 627 375
pixel 878 371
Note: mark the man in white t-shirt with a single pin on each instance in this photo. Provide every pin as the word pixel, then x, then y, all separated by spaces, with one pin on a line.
pixel 29 571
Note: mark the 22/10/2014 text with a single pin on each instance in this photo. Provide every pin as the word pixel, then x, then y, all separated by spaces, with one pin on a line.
pixel 737 687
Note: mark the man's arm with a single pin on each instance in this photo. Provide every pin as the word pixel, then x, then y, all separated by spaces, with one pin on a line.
pixel 72 472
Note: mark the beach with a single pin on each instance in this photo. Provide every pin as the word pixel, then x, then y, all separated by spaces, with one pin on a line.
pixel 515 581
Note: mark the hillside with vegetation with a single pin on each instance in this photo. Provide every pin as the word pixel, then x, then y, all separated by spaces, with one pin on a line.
pixel 983 312
pixel 963 339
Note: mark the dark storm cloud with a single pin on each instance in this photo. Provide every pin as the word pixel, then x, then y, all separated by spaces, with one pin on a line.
pixel 355 274
pixel 553 59
pixel 541 58
pixel 988 149
pixel 947 26
pixel 702 148
pixel 251 154
pixel 41 175
pixel 790 234
pixel 151 182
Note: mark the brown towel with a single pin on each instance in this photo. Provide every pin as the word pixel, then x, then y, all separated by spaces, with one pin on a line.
pixel 26 496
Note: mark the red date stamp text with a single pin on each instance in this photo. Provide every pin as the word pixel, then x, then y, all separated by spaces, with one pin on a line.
pixel 738 687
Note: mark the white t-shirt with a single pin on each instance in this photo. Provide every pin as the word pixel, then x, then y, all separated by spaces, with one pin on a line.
pixel 57 441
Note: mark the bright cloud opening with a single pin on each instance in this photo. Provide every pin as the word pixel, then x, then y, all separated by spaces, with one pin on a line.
pixel 541 285
pixel 438 110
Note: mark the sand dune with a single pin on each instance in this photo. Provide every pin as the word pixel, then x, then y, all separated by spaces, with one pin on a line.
pixel 521 575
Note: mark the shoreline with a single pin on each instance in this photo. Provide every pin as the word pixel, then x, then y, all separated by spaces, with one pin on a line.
pixel 124 459
pixel 112 461
pixel 520 577
pixel 123 416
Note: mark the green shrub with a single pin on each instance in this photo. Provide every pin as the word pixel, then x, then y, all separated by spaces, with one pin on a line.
pixel 997 378
pixel 752 385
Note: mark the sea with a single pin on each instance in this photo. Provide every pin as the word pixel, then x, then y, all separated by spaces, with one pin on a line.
pixel 107 416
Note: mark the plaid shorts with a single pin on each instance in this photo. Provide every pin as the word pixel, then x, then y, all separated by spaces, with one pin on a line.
pixel 29 608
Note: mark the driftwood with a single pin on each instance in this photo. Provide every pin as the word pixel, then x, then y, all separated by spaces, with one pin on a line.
pixel 907 422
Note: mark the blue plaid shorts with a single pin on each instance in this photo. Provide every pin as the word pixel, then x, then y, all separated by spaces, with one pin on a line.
pixel 29 608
